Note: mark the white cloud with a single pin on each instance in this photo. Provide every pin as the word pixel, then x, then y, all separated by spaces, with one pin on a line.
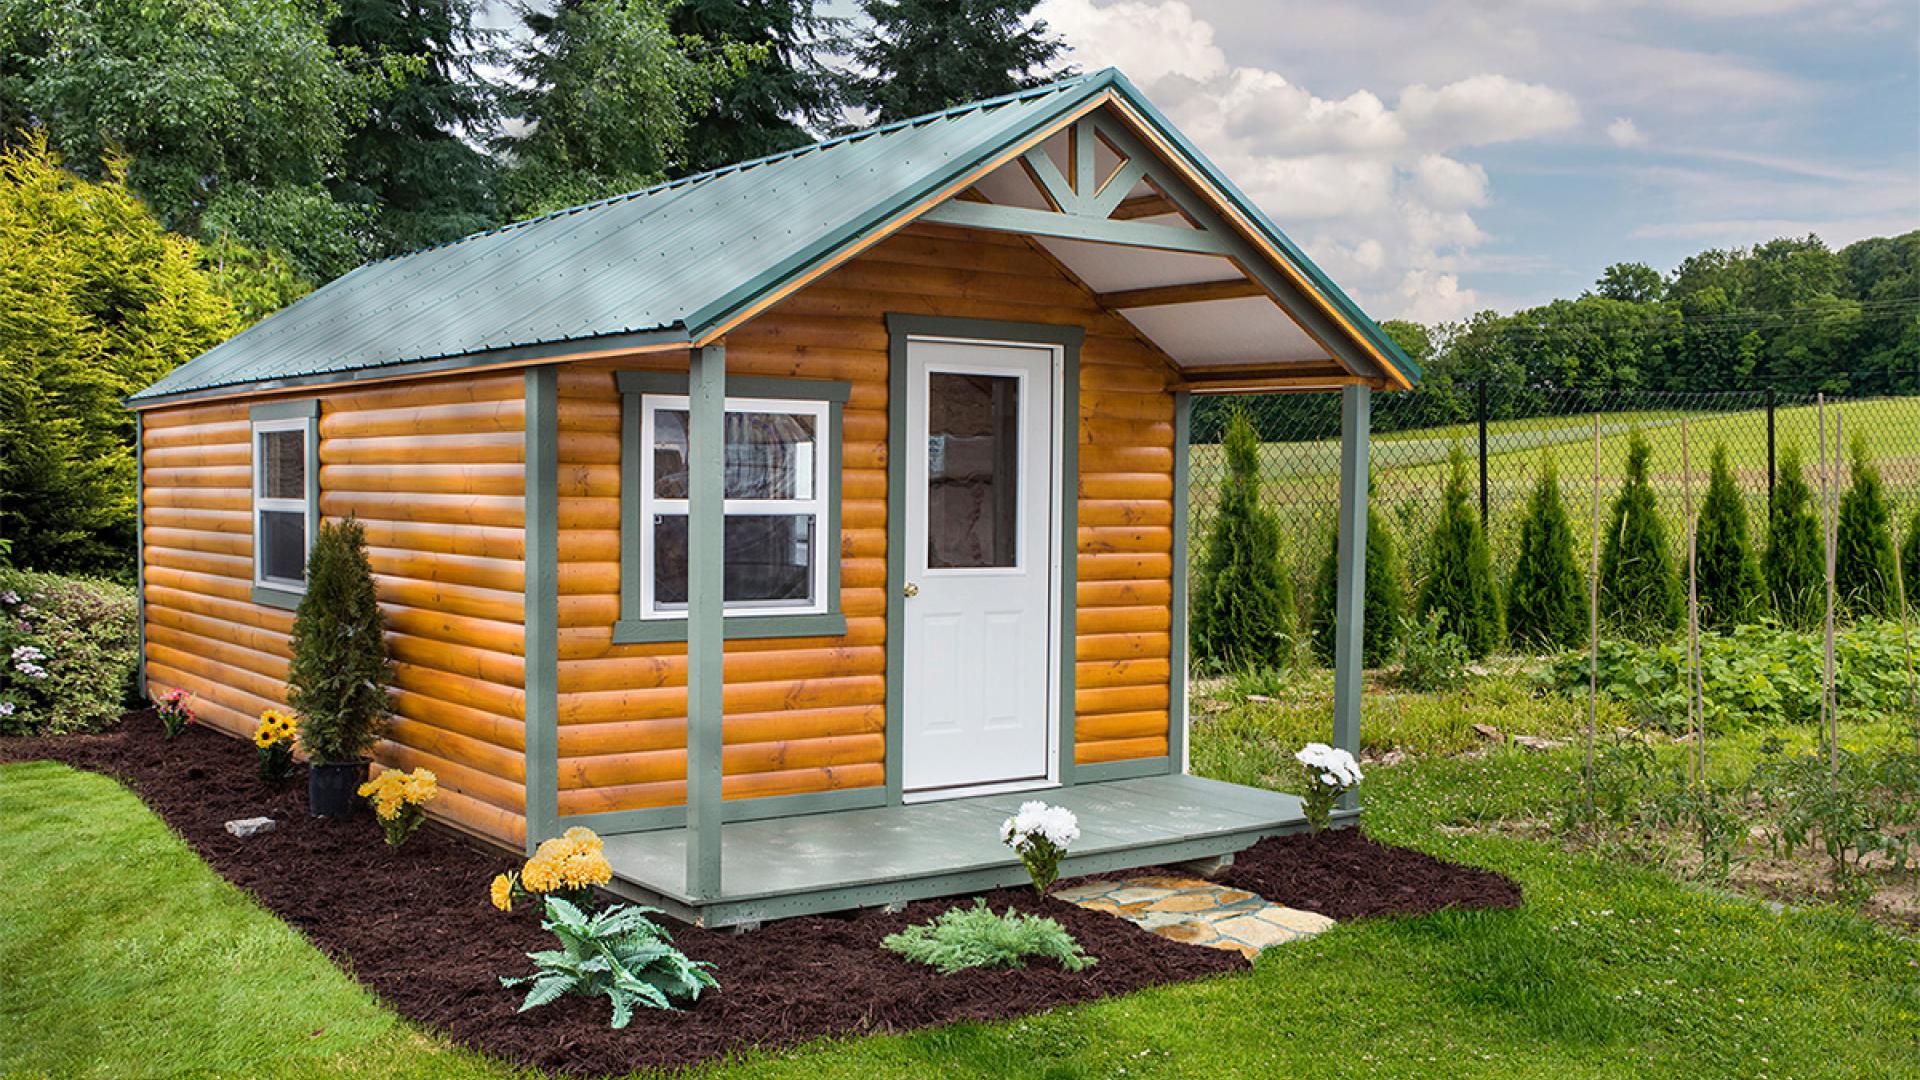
pixel 1624 132
pixel 1484 109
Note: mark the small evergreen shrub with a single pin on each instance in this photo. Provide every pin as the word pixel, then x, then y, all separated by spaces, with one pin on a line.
pixel 1640 591
pixel 1547 597
pixel 1459 589
pixel 1863 544
pixel 1795 563
pixel 69 649
pixel 1243 599
pixel 1385 603
pixel 618 954
pixel 338 679
pixel 1728 573
pixel 975 937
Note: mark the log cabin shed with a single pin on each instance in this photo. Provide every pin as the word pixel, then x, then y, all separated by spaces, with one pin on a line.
pixel 786 524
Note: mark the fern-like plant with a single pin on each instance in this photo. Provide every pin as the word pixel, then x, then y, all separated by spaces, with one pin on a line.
pixel 1640 591
pixel 1795 562
pixel 1863 542
pixel 975 937
pixel 1729 575
pixel 619 954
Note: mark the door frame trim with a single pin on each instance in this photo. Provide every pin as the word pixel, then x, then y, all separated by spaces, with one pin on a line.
pixel 901 329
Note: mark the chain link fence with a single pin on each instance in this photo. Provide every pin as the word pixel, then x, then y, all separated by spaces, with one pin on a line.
pixel 1509 433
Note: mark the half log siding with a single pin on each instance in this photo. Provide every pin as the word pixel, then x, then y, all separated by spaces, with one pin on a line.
pixel 434 470
pixel 809 714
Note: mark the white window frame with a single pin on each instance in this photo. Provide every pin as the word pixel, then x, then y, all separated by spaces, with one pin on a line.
pixel 263 504
pixel 825 548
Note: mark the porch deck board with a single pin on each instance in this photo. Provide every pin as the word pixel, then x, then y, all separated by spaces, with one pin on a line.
pixel 831 861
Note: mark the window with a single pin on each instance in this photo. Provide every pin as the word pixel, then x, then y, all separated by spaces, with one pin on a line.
pixel 285 499
pixel 780 486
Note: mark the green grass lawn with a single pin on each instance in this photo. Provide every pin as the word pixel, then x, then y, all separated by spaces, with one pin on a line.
pixel 122 954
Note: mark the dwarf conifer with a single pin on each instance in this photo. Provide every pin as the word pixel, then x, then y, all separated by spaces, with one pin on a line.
pixel 1863 544
pixel 1547 598
pixel 338 679
pixel 1729 573
pixel 1795 564
pixel 1640 593
pixel 1243 602
pixel 1385 604
pixel 1459 581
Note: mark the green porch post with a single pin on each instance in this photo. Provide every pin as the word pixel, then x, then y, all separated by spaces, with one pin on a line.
pixel 1356 408
pixel 706 588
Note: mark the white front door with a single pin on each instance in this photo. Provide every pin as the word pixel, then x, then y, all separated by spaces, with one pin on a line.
pixel 981 540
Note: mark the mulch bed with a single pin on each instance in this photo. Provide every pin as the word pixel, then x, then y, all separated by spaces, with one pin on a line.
pixel 415 927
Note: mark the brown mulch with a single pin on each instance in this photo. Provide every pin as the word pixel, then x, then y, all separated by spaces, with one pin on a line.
pixel 415 927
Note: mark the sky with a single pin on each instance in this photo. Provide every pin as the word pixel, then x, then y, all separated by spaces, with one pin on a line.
pixel 1442 157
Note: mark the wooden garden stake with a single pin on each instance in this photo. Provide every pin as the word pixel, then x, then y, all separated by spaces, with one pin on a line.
pixel 1593 616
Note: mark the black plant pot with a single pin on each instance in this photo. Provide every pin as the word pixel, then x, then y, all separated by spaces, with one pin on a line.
pixel 333 789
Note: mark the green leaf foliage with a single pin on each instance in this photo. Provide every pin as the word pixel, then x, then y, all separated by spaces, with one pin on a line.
pixel 962 938
pixel 1640 591
pixel 1458 589
pixel 1547 596
pixel 1863 543
pixel 96 301
pixel 1386 598
pixel 1910 563
pixel 922 56
pixel 1795 562
pixel 338 678
pixel 69 648
pixel 1243 598
pixel 618 954
pixel 1727 571
pixel 761 112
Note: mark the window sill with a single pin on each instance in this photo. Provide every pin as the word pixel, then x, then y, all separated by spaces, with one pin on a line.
pixel 737 628
pixel 277 597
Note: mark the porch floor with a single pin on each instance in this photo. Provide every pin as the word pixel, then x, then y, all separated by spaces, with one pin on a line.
pixel 834 861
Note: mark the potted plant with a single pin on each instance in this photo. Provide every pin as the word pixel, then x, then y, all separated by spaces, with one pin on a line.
pixel 338 678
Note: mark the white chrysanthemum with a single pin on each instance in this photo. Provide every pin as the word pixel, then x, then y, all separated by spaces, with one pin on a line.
pixel 1336 767
pixel 1035 818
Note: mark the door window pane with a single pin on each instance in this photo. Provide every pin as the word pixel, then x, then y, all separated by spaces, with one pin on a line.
pixel 769 559
pixel 283 464
pixel 973 467
pixel 283 545
pixel 770 455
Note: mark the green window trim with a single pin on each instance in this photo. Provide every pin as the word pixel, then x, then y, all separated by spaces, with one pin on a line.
pixel 275 593
pixel 632 628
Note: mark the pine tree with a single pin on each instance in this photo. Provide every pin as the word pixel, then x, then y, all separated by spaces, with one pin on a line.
pixel 927 55
pixel 1863 543
pixel 1547 597
pixel 769 108
pixel 1795 562
pixel 1243 601
pixel 1459 582
pixel 1728 572
pixel 1384 606
pixel 338 678
pixel 1640 591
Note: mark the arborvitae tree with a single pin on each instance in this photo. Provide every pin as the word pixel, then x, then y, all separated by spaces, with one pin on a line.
pixel 1863 544
pixel 927 55
pixel 1728 572
pixel 765 111
pixel 1795 562
pixel 1459 581
pixel 1243 606
pixel 1640 590
pixel 1385 604
pixel 338 678
pixel 1547 597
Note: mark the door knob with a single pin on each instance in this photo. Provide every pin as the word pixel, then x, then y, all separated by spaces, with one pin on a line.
pixel 912 589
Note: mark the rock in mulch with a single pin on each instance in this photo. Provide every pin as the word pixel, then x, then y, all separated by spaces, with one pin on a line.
pixel 253 826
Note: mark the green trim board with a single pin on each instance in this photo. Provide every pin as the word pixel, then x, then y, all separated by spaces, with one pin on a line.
pixel 1182 557
pixel 1101 771
pixel 1027 222
pixel 632 628
pixel 1350 593
pixel 901 329
pixel 140 551
pixel 268 596
pixel 768 806
pixel 542 606
pixel 706 614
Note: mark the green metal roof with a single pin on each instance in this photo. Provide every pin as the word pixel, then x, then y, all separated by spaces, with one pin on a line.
pixel 665 264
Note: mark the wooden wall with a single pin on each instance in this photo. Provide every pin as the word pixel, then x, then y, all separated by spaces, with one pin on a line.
pixel 807 715
pixel 434 470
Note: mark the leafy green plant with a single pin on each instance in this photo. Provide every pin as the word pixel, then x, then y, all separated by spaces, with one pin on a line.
pixel 1714 815
pixel 1385 602
pixel 1243 599
pixel 1795 563
pixel 1624 776
pixel 1459 587
pixel 1729 573
pixel 962 938
pixel 618 954
pixel 1863 543
pixel 69 648
pixel 1432 657
pixel 1640 594
pixel 1861 810
pixel 1547 596
pixel 338 679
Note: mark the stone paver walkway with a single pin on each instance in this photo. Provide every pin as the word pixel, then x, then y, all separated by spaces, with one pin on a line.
pixel 1197 912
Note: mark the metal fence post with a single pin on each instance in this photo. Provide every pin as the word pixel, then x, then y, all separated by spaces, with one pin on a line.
pixel 1483 453
pixel 1770 404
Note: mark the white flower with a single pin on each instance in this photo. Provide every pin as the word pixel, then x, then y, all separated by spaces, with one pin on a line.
pixel 1035 818
pixel 1335 766
pixel 6 708
pixel 10 596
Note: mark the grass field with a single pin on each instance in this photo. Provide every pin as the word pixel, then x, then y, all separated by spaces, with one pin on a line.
pixel 122 954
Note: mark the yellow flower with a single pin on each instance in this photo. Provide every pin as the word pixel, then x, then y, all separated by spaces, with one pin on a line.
pixel 539 875
pixel 586 838
pixel 502 892
pixel 275 727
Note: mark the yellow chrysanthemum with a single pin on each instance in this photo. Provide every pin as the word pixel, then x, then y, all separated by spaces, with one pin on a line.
pixel 586 838
pixel 539 875
pixel 502 892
